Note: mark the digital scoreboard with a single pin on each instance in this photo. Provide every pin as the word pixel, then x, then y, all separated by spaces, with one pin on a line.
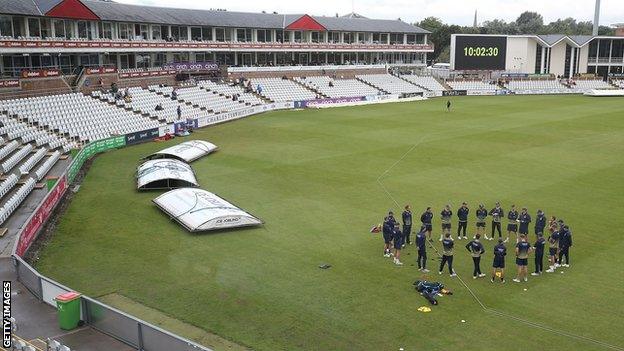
pixel 478 52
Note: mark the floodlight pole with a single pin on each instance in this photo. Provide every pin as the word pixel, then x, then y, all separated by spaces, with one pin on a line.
pixel 596 18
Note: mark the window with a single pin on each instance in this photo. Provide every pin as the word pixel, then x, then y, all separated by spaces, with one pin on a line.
pixel 125 31
pixel 6 26
pixel 263 35
pixel 59 28
pixel 106 30
pixel 18 26
pixel 207 33
pixel 298 36
pixel 316 37
pixel 384 38
pixel 420 39
pixel 396 38
pixel 196 33
pixel 33 27
pixel 348 38
pixel 156 32
pixel 46 28
pixel 279 36
pixel 142 31
pixel 361 38
pixel 184 33
pixel 83 29
pixel 333 37
pixel 411 39
pixel 220 34
pixel 243 35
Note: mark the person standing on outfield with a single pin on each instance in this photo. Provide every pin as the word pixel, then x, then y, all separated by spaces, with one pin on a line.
pixel 497 213
pixel 446 215
pixel 426 219
pixel 421 243
pixel 512 226
pixel 525 220
pixel 523 248
pixel 407 224
pixel 540 223
pixel 482 214
pixel 397 238
pixel 448 105
pixel 447 254
pixel 476 250
pixel 565 242
pixel 553 251
pixel 388 226
pixel 500 251
pixel 462 214
pixel 539 254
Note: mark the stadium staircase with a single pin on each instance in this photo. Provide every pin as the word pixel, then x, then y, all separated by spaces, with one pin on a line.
pixel 412 83
pixel 374 86
pixel 309 88
pixel 441 81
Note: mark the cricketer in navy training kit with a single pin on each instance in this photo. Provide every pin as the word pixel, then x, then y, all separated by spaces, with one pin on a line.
pixel 498 266
pixel 426 219
pixel 476 250
pixel 421 244
pixel 497 213
pixel 446 216
pixel 447 254
pixel 462 215
pixel 407 224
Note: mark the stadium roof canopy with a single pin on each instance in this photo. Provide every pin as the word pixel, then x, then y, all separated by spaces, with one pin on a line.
pixel 199 210
pixel 112 11
pixel 165 174
pixel 187 151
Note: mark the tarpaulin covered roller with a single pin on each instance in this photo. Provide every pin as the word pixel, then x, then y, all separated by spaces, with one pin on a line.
pixel 165 174
pixel 187 151
pixel 199 210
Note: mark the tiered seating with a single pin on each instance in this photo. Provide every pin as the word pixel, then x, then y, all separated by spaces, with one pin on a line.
pixel 619 83
pixel 77 116
pixel 208 100
pixel 426 82
pixel 162 90
pixel 15 200
pixel 8 148
pixel 32 161
pixel 471 85
pixel 340 88
pixel 390 84
pixel 590 84
pixel 8 184
pixel 16 158
pixel 47 165
pixel 230 90
pixel 278 89
pixel 145 101
pixel 545 85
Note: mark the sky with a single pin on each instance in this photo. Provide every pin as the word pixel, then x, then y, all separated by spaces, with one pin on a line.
pixel 459 12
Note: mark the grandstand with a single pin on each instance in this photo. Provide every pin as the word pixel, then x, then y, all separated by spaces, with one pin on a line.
pixel 472 85
pixel 279 89
pixel 583 85
pixel 229 90
pixel 390 84
pixel 425 82
pixel 537 86
pixel 336 88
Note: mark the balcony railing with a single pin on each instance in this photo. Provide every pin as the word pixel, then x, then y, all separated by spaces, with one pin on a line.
pixel 616 60
pixel 75 44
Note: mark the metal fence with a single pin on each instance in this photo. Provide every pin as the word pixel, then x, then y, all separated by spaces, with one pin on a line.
pixel 108 320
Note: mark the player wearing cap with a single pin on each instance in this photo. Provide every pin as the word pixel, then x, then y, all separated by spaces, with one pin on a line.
pixel 497 213
pixel 481 214
pixel 388 227
pixel 445 216
pixel 407 224
pixel 476 250
pixel 462 215
pixel 426 219
pixel 500 251
pixel 525 220
pixel 397 239
pixel 421 239
pixel 523 248
pixel 512 226
pixel 539 254
pixel 447 254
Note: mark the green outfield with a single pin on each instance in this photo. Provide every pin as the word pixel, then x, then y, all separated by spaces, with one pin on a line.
pixel 312 177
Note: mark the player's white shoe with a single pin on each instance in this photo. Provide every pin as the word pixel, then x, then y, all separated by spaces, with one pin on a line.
pixel 424 270
pixel 440 273
pixel 453 275
pixel 481 275
pixel 557 265
pixel 474 277
pixel 398 263
pixel 526 279
pixel 535 274
pixel 516 280
pixel 566 265
pixel 551 270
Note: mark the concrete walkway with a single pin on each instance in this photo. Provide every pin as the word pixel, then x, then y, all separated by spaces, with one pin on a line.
pixel 37 320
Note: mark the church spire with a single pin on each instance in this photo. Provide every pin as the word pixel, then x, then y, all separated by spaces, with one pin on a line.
pixel 475 24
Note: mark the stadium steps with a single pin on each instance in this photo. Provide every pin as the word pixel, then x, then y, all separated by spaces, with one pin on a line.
pixel 374 86
pixel 443 82
pixel 308 88
pixel 412 83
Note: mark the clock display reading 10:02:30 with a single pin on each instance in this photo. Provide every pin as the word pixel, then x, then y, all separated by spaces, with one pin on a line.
pixel 481 51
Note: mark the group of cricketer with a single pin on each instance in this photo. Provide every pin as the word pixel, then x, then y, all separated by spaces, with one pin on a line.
pixel 559 240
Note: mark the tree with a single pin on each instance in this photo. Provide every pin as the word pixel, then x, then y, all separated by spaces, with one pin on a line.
pixel 530 22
